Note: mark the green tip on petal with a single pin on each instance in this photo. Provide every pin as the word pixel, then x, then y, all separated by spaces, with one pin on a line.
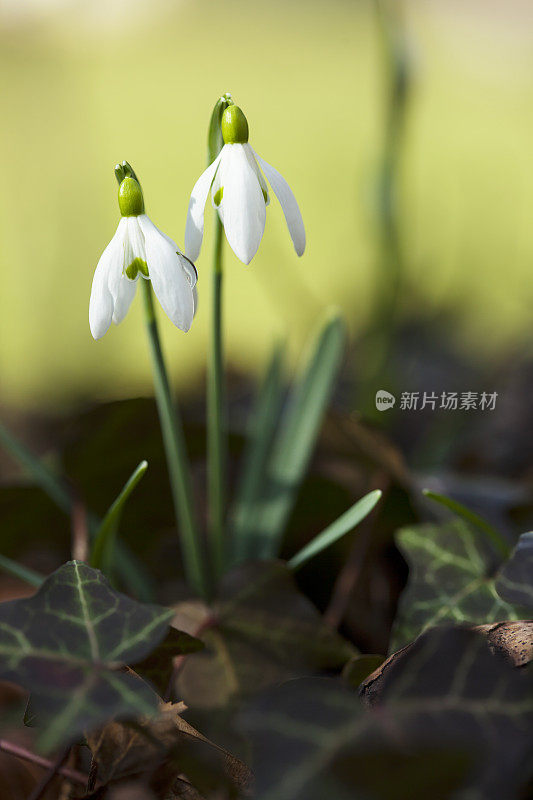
pixel 234 126
pixel 136 266
pixel 130 198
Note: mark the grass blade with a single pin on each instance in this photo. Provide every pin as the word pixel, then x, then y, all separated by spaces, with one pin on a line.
pixel 474 519
pixel 343 525
pixel 19 571
pixel 43 477
pixel 104 540
pixel 264 420
pixel 296 439
pixel 131 571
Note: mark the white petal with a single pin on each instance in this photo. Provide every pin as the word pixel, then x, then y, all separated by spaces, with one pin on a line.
pixel 186 263
pixel 243 203
pixel 195 300
pixel 288 203
pixel 135 240
pixel 253 163
pixel 125 294
pixel 189 268
pixel 102 303
pixel 194 228
pixel 169 279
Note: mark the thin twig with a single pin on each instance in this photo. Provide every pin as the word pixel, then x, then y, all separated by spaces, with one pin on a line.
pixel 41 787
pixel 93 774
pixel 80 531
pixel 27 755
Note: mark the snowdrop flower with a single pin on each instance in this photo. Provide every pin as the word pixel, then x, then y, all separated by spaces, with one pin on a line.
pixel 240 194
pixel 139 249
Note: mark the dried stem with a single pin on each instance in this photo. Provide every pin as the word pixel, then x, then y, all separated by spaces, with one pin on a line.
pixel 27 755
pixel 41 787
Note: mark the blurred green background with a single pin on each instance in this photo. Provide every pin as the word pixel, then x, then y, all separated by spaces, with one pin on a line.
pixel 85 85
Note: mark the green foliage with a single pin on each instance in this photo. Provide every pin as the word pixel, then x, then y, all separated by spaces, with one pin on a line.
pixel 293 444
pixel 69 643
pixel 53 485
pixel 25 574
pixel 104 540
pixel 262 429
pixel 259 631
pixel 451 579
pixel 473 519
pixel 343 525
pixel 428 733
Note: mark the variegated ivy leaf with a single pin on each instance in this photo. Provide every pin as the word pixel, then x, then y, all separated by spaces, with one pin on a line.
pixel 259 631
pixel 452 573
pixel 515 579
pixel 69 645
pixel 453 721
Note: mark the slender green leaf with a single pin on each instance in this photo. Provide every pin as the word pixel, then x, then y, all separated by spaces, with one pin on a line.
pixel 296 439
pixel 262 429
pixel 131 571
pixel 474 519
pixel 19 571
pixel 104 540
pixel 343 525
pixel 43 477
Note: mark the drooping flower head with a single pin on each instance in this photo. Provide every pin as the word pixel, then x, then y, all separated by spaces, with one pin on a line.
pixel 139 249
pixel 239 193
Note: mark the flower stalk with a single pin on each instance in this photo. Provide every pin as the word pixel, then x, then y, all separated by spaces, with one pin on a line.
pixel 216 414
pixel 174 443
pixel 216 394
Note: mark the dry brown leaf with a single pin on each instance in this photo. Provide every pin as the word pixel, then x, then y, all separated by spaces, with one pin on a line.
pixel 159 749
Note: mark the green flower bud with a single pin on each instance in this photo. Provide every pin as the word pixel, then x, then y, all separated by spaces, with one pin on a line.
pixel 234 126
pixel 130 198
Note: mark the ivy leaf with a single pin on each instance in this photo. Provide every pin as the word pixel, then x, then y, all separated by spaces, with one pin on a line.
pixel 454 720
pixel 323 743
pixel 450 681
pixel 157 667
pixel 260 631
pixel 451 571
pixel 69 645
pixel 515 580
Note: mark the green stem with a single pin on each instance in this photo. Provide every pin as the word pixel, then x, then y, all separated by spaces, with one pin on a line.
pixel 174 442
pixel 216 421
pixel 379 365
